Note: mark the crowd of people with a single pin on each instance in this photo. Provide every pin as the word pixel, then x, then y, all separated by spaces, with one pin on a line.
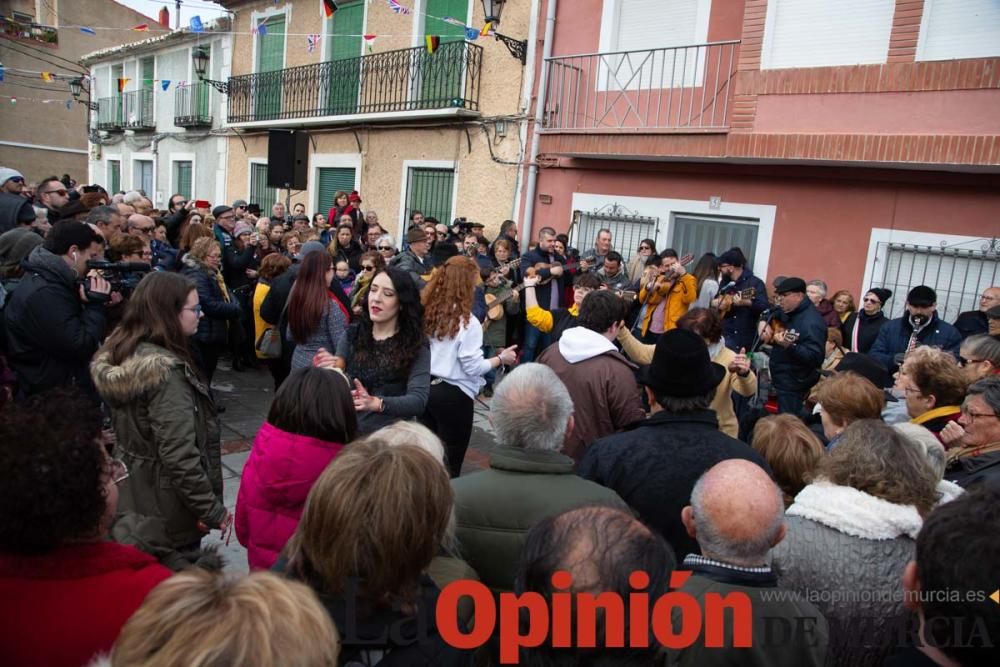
pixel 838 467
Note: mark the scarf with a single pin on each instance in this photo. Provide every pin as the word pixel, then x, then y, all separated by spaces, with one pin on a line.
pixel 971 450
pixel 222 285
pixel 856 329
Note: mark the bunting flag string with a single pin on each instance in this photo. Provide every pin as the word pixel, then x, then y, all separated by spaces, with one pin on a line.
pixel 453 21
pixel 88 31
pixel 329 7
pixel 122 83
pixel 396 7
pixel 311 42
pixel 164 83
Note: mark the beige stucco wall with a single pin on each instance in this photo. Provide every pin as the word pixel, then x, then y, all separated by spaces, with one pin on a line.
pixel 485 188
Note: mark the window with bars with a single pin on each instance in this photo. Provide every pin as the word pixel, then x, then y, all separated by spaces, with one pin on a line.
pixel 143 176
pixel 330 180
pixel 429 191
pixel 114 176
pixel 182 177
pixel 626 232
pixel 260 193
pixel 698 234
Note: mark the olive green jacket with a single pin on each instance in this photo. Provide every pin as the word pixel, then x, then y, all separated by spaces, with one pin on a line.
pixel 168 435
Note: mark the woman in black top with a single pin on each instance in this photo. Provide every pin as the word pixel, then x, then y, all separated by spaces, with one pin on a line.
pixel 862 326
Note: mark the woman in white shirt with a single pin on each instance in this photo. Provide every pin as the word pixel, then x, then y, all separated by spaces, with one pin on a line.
pixel 457 361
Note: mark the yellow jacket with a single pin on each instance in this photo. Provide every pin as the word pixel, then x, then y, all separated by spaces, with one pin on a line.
pixel 679 299
pixel 642 354
pixel 259 325
pixel 543 320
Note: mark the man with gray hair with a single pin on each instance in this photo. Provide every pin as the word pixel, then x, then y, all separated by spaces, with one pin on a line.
pixel 737 515
pixel 139 202
pixel 974 444
pixel 107 219
pixel 528 478
pixel 816 290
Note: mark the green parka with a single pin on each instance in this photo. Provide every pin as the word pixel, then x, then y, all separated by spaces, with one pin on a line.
pixel 168 435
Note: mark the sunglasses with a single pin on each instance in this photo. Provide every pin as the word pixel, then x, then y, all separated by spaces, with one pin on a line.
pixel 145 230
pixel 16 179
pixel 365 267
pixel 55 192
pixel 644 247
pixel 867 300
pixel 385 247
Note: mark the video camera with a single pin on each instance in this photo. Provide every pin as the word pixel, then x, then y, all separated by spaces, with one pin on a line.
pixel 461 226
pixel 122 276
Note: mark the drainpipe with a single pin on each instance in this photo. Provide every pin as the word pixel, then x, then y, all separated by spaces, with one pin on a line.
pixel 529 197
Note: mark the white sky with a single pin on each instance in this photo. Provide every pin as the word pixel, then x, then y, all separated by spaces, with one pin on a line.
pixel 204 8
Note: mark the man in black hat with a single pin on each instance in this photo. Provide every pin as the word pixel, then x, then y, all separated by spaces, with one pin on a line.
pixel 749 299
pixel 655 463
pixel 414 259
pixel 797 334
pixel 920 325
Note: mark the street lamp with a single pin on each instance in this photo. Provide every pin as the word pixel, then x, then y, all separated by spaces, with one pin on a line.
pixel 200 58
pixel 517 47
pixel 76 88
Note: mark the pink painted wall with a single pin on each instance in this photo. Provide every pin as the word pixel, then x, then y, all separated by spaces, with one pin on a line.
pixel 971 112
pixel 822 225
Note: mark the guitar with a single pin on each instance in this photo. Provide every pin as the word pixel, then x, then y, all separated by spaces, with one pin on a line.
pixel 776 323
pixel 499 270
pixel 726 300
pixel 668 277
pixel 494 305
pixel 627 295
pixel 584 264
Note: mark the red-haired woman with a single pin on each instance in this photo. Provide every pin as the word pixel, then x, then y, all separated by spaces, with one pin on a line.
pixel 316 318
pixel 457 361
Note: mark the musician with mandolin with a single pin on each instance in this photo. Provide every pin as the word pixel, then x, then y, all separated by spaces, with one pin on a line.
pixel 667 293
pixel 741 299
pixel 547 265
pixel 797 334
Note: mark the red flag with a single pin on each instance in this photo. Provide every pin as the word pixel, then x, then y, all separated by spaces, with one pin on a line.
pixel 329 7
pixel 141 28
pixel 121 84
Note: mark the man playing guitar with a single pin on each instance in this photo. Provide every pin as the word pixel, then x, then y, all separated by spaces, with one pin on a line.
pixel 738 283
pixel 548 296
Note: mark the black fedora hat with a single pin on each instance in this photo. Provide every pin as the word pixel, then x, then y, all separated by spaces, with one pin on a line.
pixel 681 367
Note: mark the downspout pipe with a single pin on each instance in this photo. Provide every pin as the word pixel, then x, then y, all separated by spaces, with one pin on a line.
pixel 532 185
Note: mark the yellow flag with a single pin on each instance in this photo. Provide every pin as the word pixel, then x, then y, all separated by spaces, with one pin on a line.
pixel 47 77
pixel 486 29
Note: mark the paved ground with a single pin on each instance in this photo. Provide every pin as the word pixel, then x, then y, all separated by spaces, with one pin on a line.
pixel 246 397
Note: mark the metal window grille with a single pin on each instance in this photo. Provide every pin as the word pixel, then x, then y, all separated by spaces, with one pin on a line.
pixel 957 273
pixel 698 234
pixel 259 192
pixel 429 191
pixel 627 229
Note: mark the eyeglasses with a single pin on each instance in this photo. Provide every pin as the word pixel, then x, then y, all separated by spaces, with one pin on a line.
pixel 913 390
pixel 60 192
pixel 194 309
pixel 147 254
pixel 973 416
pixel 962 361
pixel 145 230
pixel 119 471
pixel 366 267
pixel 241 207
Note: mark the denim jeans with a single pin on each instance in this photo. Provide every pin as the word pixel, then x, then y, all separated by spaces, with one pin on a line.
pixel 535 343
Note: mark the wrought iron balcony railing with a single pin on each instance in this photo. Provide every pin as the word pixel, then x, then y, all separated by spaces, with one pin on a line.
pixel 109 114
pixel 139 110
pixel 192 105
pixel 683 88
pixel 393 81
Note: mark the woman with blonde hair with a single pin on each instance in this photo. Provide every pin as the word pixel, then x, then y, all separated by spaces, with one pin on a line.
pixel 203 266
pixel 791 449
pixel 934 387
pixel 373 522
pixel 843 304
pixel 260 620
pixel 457 361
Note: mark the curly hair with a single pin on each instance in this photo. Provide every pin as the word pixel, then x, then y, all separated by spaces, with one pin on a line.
pixel 851 306
pixel 447 298
pixel 410 338
pixel 273 266
pixel 936 373
pixel 53 472
pixel 201 248
pixel 874 458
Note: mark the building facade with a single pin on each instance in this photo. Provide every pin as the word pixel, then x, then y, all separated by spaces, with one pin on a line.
pixel 856 142
pixel 43 131
pixel 157 128
pixel 439 129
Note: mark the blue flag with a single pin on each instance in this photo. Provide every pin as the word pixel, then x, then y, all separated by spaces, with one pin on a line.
pixel 165 83
pixel 196 25
pixel 1 72
pixel 87 31
pixel 471 34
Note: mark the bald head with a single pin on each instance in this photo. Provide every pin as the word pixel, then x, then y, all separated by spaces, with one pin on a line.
pixel 990 298
pixel 140 225
pixel 736 513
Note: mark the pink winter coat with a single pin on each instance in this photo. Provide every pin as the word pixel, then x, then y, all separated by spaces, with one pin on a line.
pixel 277 477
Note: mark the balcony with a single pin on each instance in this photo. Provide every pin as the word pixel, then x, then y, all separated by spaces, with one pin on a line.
pixel 46 34
pixel 683 89
pixel 109 114
pixel 192 106
pixel 138 105
pixel 390 83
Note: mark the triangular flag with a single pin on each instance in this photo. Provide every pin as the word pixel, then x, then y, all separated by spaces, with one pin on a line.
pixel 433 42
pixel 1 72
pixel 396 7
pixel 471 34
pixel 486 29
pixel 369 41
pixel 122 83
pixel 453 21
pixel 47 77
pixel 196 24
pixel 144 27
pixel 311 42
pixel 165 83
pixel 329 7
pixel 260 29
pixel 87 31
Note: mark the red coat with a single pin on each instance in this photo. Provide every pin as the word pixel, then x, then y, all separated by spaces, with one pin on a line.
pixel 62 607
pixel 280 471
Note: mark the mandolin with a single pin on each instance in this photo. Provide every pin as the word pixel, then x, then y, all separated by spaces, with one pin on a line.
pixel 584 264
pixel 669 277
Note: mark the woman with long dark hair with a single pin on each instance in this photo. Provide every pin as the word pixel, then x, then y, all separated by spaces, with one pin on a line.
pixel 456 340
pixel 707 276
pixel 344 246
pixel 385 353
pixel 165 422
pixel 636 265
pixel 316 318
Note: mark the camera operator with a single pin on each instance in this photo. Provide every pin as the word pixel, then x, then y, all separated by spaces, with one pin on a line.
pixel 56 318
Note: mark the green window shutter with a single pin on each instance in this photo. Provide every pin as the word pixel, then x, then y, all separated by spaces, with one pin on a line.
pixel 345 45
pixel 259 192
pixel 147 73
pixel 182 178
pixel 271 47
pixel 438 9
pixel 429 191
pixel 114 176
pixel 332 179
pixel 441 72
